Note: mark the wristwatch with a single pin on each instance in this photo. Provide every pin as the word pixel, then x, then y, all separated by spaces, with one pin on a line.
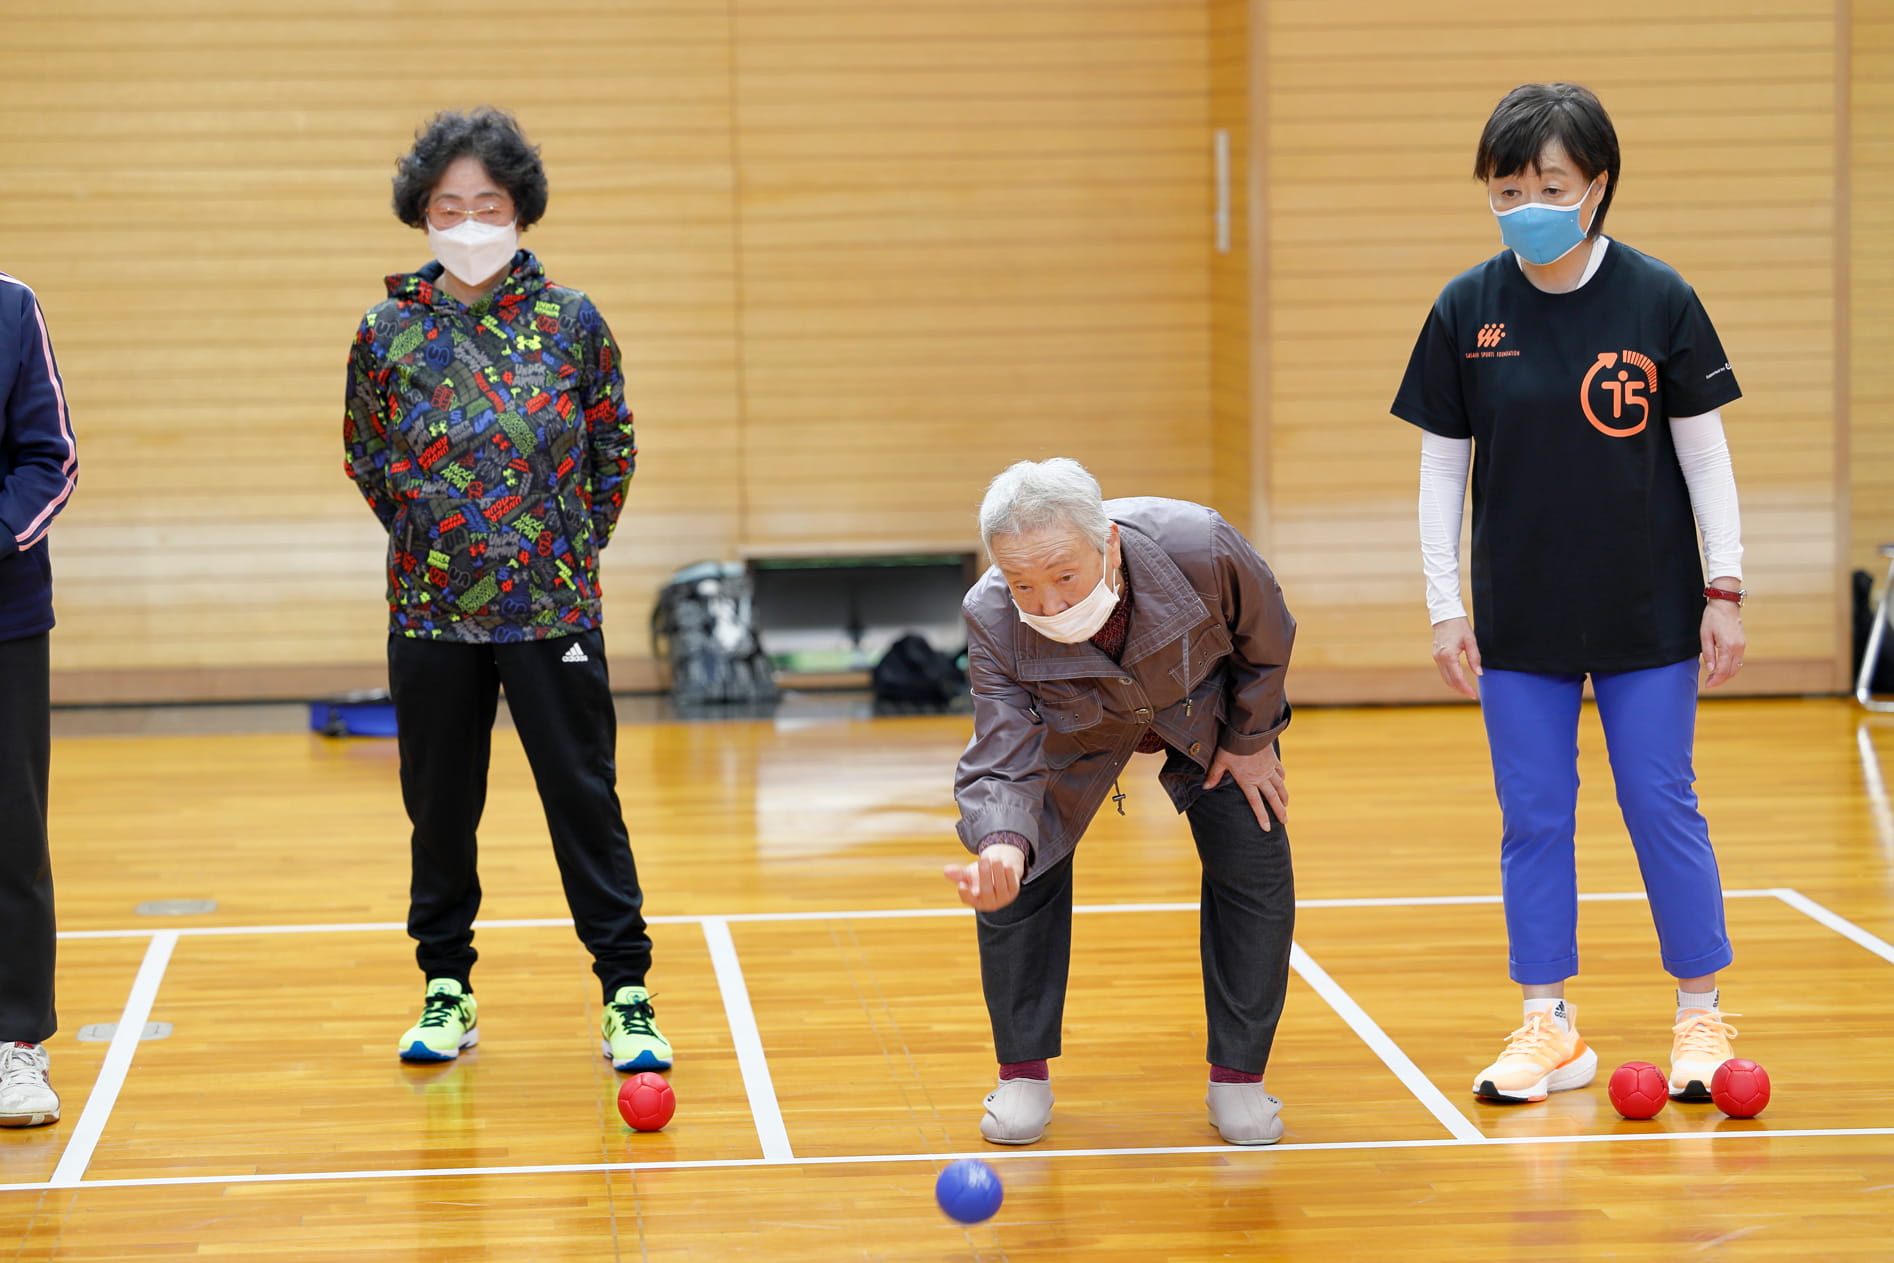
pixel 1724 594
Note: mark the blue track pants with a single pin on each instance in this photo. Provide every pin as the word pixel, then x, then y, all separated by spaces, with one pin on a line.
pixel 1650 725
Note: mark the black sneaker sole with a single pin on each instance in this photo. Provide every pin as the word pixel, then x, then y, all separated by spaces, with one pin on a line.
pixel 1693 1091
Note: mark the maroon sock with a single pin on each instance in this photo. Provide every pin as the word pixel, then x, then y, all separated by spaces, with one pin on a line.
pixel 1223 1074
pixel 1025 1070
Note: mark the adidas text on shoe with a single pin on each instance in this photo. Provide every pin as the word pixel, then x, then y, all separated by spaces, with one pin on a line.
pixel 1017 1111
pixel 27 1098
pixel 447 1024
pixel 575 654
pixel 630 1034
pixel 1700 1042
pixel 1538 1058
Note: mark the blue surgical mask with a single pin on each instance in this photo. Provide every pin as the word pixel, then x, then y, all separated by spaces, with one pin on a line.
pixel 1541 233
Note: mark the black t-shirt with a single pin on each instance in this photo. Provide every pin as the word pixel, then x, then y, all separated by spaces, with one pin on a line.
pixel 1584 547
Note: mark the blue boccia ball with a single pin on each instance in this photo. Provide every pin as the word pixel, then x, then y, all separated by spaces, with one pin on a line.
pixel 969 1191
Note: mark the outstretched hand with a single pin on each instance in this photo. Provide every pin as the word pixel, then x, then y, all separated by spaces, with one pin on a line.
pixel 990 882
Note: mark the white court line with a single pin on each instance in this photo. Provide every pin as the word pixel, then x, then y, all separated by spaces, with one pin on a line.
pixel 1456 1123
pixel 1836 922
pixel 770 1113
pixel 855 914
pixel 751 1060
pixel 77 1154
pixel 342 927
pixel 991 1155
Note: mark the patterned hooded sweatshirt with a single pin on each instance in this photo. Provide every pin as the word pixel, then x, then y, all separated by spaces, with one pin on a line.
pixel 494 444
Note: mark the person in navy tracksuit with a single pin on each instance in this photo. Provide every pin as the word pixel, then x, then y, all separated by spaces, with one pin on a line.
pixel 39 466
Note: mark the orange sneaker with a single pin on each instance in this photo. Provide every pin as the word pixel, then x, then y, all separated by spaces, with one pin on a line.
pixel 1538 1058
pixel 1700 1043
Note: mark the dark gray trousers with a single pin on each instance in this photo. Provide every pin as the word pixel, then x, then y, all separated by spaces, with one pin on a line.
pixel 26 867
pixel 1246 924
pixel 446 696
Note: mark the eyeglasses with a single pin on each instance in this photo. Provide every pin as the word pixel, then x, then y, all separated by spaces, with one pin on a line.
pixel 493 214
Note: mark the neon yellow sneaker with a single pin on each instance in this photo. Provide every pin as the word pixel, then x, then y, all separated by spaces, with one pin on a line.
pixel 630 1035
pixel 1538 1058
pixel 446 1025
pixel 1700 1042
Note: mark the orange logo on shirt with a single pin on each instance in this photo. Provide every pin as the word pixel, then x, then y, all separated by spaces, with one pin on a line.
pixel 1489 335
pixel 1624 390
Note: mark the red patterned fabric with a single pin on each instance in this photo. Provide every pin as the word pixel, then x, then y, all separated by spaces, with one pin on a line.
pixel 1111 642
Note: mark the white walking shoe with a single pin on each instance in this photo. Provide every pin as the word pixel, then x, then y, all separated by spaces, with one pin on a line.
pixel 1017 1111
pixel 1244 1113
pixel 27 1098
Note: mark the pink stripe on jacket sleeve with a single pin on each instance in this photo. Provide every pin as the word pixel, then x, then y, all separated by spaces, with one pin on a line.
pixel 36 529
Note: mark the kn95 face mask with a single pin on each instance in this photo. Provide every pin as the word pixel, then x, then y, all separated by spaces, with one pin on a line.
pixel 474 251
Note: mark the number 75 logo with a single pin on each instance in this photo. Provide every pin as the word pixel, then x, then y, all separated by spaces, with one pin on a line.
pixel 1626 391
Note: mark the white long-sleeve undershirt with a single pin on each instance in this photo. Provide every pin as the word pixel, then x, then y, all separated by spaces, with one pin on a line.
pixel 1704 455
pixel 1443 495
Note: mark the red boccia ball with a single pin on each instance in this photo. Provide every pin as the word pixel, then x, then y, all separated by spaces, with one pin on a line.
pixel 1638 1089
pixel 646 1102
pixel 1740 1088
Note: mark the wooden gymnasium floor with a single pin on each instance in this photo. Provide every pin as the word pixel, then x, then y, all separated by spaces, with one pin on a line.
pixel 822 991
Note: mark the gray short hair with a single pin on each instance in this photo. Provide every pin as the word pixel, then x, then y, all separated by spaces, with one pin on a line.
pixel 1031 496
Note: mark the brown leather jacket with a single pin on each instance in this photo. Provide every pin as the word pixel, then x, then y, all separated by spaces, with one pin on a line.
pixel 1054 724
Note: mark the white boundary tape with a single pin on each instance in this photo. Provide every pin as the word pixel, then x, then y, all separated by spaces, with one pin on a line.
pixel 840 914
pixel 751 1061
pixel 765 1109
pixel 1458 1125
pixel 77 1154
pixel 991 1155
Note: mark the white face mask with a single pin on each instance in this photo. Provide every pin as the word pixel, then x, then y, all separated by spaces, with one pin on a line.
pixel 1077 622
pixel 474 251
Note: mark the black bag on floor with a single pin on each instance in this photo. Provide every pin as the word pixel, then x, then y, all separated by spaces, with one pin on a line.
pixel 704 637
pixel 913 675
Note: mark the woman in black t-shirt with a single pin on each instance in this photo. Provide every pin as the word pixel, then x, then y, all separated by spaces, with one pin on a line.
pixel 1586 378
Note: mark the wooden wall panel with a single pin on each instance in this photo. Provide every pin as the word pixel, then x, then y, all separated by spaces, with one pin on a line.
pixel 1238 455
pixel 202 204
pixel 1371 114
pixel 863 253
pixel 970 233
pixel 1871 287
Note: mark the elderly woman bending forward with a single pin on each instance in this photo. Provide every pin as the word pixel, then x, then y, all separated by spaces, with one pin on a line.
pixel 1105 629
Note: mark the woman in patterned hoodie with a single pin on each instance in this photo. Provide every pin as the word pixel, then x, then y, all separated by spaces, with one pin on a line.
pixel 487 429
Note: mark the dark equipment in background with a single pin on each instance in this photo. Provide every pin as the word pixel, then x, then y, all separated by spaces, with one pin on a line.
pixel 703 636
pixel 830 619
pixel 913 677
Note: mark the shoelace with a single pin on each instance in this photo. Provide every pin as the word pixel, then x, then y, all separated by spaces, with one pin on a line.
pixel 439 1009
pixel 635 1017
pixel 20 1066
pixel 1698 1034
pixel 1534 1039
